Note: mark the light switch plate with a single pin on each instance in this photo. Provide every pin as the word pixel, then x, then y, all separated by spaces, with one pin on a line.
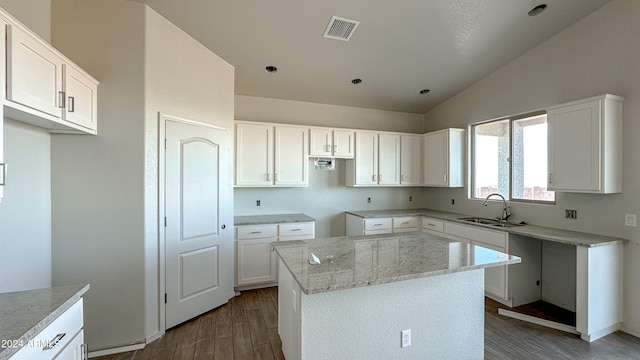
pixel 630 220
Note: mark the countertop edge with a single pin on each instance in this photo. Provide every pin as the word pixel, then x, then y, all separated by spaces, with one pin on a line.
pixel 516 230
pixel 8 352
pixel 248 220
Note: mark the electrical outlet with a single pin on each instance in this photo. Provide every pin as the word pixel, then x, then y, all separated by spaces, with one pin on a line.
pixel 257 202
pixel 453 201
pixel 368 200
pixel 406 338
pixel 571 214
pixel 410 198
pixel 630 220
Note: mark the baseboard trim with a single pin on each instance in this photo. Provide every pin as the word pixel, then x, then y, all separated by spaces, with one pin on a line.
pixel 538 321
pixel 630 332
pixel 154 337
pixel 118 350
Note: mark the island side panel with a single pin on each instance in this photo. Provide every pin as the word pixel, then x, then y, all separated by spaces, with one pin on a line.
pixel 445 314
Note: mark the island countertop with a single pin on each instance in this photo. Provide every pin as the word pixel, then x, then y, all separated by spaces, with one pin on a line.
pixel 355 261
pixel 24 314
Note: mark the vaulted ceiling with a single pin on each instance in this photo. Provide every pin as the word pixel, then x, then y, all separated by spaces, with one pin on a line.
pixel 398 49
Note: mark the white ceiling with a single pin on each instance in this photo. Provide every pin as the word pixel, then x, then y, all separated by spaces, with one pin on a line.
pixel 399 48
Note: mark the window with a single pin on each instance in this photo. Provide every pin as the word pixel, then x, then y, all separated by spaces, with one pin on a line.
pixel 509 157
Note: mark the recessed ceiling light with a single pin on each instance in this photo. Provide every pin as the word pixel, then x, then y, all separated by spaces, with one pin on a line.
pixel 537 10
pixel 271 69
pixel 424 91
pixel 356 81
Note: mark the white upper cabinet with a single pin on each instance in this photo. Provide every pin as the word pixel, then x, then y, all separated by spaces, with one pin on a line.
pixel 81 95
pixel 291 161
pixel 389 159
pixel 444 158
pixel 43 87
pixel 254 154
pixel 363 170
pixel 585 145
pixel 34 73
pixel 268 155
pixel 331 143
pixel 410 159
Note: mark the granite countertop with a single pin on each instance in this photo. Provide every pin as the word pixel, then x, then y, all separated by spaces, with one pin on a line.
pixel 271 219
pixel 24 314
pixel 538 232
pixel 354 261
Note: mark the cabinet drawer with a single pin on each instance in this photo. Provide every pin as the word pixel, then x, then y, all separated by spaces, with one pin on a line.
pixel 432 224
pixel 377 224
pixel 256 232
pixel 297 231
pixel 405 222
pixel 64 328
pixel 473 233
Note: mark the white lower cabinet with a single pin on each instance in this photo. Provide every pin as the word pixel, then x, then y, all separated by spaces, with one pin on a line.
pixel 405 224
pixel 255 260
pixel 256 263
pixel 63 339
pixel 357 225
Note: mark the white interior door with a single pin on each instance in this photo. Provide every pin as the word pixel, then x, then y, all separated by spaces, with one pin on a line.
pixel 199 220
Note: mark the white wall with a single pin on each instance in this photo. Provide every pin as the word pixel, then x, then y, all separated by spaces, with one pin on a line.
pixel 186 80
pixel 305 113
pixel 597 55
pixel 35 14
pixel 105 187
pixel 98 181
pixel 25 210
pixel 326 198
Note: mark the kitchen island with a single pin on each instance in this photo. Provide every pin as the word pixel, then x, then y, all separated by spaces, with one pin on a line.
pixel 351 297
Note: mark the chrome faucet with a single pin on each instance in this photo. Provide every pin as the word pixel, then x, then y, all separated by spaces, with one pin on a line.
pixel 505 207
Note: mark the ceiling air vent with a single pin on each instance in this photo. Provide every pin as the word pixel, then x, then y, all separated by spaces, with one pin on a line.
pixel 340 28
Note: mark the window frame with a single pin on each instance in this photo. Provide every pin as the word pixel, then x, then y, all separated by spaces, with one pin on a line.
pixel 472 157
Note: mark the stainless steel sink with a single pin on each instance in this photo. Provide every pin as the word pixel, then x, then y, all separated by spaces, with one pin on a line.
pixel 490 222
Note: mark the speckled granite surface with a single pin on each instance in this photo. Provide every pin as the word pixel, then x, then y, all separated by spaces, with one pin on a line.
pixel 24 314
pixel 271 219
pixel 538 232
pixel 354 261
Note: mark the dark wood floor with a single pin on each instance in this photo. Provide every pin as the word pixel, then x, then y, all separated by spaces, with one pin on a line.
pixel 246 328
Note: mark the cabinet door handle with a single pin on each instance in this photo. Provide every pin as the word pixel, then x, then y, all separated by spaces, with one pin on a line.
pixel 53 342
pixel 402 177
pixel 379 177
pixel 256 232
pixel 268 177
pixel 328 148
pixel 405 222
pixel 444 177
pixel 61 97
pixel 295 230
pixel 275 176
pixel 373 177
pixel 3 174
pixel 335 148
pixel 550 178
pixel 432 225
pixel 72 104
pixel 377 224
